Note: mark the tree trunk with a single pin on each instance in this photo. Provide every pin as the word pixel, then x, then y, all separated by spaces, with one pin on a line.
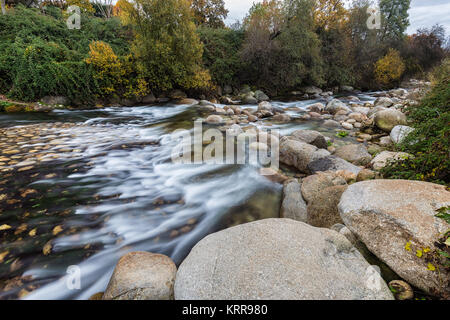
pixel 3 6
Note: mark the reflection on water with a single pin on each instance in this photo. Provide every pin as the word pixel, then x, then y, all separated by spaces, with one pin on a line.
pixel 110 189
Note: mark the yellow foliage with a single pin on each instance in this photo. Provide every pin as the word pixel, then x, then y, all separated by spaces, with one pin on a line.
pixel 84 5
pixel 107 66
pixel 390 68
pixel 330 13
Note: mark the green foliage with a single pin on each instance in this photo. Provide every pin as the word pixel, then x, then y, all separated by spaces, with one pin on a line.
pixel 221 54
pixel 342 134
pixel 40 56
pixel 430 142
pixel 395 19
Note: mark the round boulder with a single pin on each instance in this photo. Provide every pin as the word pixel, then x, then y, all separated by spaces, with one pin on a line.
pixel 387 119
pixel 142 276
pixel 278 259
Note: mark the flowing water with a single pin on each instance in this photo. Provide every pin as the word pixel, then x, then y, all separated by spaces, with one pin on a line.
pixel 85 187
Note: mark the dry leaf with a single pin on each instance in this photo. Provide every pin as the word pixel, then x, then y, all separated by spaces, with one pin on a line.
pixel 3 255
pixel 47 248
pixel 5 227
pixel 32 233
pixel 57 230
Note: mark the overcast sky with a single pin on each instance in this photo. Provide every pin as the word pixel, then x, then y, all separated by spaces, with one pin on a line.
pixel 423 13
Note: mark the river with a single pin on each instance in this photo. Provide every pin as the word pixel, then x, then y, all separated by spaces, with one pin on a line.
pixel 85 187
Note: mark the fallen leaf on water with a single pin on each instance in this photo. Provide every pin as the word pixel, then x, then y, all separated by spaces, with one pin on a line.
pixel 32 233
pixel 47 248
pixel 5 227
pixel 23 293
pixel 3 255
pixel 57 230
pixel 20 229
pixel 27 192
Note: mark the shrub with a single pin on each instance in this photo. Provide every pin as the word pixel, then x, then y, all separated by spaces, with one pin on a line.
pixel 430 142
pixel 108 68
pixel 221 54
pixel 389 69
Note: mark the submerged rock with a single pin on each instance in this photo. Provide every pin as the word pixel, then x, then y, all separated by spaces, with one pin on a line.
pixel 142 276
pixel 278 259
pixel 396 220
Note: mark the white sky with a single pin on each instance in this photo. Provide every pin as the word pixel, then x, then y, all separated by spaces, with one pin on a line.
pixel 423 13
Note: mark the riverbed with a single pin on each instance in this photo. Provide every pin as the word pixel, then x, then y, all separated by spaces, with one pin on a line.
pixel 84 187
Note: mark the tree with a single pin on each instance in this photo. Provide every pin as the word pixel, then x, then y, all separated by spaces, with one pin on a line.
pixel 3 6
pixel 167 48
pixel 331 25
pixel 394 19
pixel 210 13
pixel 329 13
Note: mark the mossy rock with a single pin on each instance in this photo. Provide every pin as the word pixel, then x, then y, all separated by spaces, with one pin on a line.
pixel 14 108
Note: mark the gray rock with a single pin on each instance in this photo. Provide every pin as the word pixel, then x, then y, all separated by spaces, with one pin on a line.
pixel 282 118
pixel 299 154
pixel 383 102
pixel 382 159
pixel 177 94
pixel 313 185
pixel 149 99
pixel 354 153
pixel 261 96
pixel 331 124
pixel 249 99
pixel 336 105
pixel 214 119
pixel 385 141
pixel 142 276
pixel 323 212
pixel 55 100
pixel 373 111
pixel 399 133
pixel 265 106
pixel 316 107
pixel 387 119
pixel 394 219
pixel 279 259
pixel 311 90
pixel 311 137
pixel 332 163
pixel 293 206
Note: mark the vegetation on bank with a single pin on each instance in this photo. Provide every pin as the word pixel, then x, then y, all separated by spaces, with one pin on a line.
pixel 152 46
pixel 429 143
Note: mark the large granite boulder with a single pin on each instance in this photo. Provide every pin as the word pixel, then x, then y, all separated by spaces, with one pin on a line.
pixel 396 220
pixel 336 105
pixel 279 259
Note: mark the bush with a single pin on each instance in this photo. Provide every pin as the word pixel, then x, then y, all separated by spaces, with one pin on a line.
pixel 389 69
pixel 221 54
pixel 430 142
pixel 40 56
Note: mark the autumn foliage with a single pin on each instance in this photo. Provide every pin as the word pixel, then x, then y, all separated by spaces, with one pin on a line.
pixel 389 69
